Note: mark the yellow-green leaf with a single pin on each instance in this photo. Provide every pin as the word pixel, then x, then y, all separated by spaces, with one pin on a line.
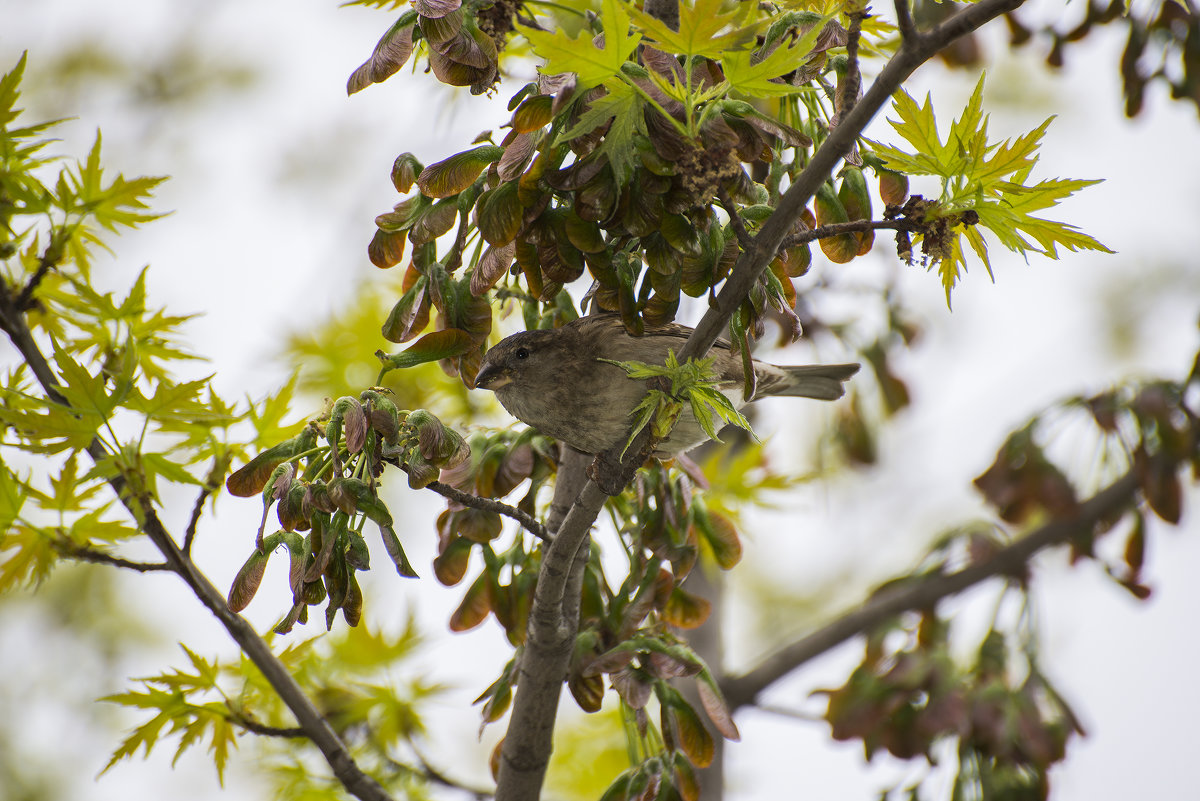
pixel 591 64
pixel 700 28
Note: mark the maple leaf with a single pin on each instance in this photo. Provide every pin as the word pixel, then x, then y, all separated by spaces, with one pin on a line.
pixel 700 29
pixel 988 178
pixel 592 63
pixel 754 75
pixel 623 105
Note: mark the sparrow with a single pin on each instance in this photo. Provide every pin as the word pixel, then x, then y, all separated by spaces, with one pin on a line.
pixel 555 380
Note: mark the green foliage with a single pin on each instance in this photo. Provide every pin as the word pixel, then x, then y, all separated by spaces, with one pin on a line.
pixel 218 703
pixel 592 63
pixel 112 421
pixel 694 383
pixel 169 695
pixel 337 358
pixel 984 185
pixel 637 165
pixel 110 390
pixel 704 30
pixel 77 202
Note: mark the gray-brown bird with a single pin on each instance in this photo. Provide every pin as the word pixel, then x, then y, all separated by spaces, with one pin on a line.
pixel 553 380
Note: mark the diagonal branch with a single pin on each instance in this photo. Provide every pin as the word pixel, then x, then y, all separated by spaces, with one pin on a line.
pixel 315 727
pixel 543 668
pixel 1010 561
pixel 914 51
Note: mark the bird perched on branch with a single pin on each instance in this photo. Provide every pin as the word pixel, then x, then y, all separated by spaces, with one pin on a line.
pixel 561 381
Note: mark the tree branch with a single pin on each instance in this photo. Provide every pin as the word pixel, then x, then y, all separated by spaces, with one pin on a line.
pixel 48 261
pixel 904 20
pixel 914 51
pixel 1011 561
pixel 86 554
pixel 430 773
pixel 568 483
pixel 551 636
pixel 189 534
pixel 315 727
pixel 251 725
pixel 851 227
pixel 744 239
pixel 527 521
pixel 852 81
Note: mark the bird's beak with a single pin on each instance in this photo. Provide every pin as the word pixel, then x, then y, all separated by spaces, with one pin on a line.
pixel 492 377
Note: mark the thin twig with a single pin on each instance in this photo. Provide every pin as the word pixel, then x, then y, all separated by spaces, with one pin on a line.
pixel 189 534
pixel 86 554
pixel 853 79
pixel 251 725
pixel 527 521
pixel 431 773
pixel 851 227
pixel 47 262
pixel 925 593
pixel 739 226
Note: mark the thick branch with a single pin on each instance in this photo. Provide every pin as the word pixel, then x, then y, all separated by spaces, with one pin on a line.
pixel 1011 561
pixel 490 505
pixel 914 51
pixel 665 10
pixel 568 483
pixel 315 727
pixel 551 636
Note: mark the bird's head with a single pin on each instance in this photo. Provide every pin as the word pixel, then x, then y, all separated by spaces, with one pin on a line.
pixel 518 359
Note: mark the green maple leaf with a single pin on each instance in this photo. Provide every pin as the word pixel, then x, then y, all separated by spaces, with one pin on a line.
pixel 694 382
pixel 700 27
pixel 622 105
pixel 757 78
pixel 120 201
pixel 82 191
pixel 989 178
pixel 85 392
pixel 591 64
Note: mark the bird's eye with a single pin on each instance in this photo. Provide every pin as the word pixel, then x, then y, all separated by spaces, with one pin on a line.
pixel 522 353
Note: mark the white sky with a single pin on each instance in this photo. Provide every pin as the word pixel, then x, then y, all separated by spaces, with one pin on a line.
pixel 273 196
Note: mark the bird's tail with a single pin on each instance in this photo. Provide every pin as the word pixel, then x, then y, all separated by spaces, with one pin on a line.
pixel 819 381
